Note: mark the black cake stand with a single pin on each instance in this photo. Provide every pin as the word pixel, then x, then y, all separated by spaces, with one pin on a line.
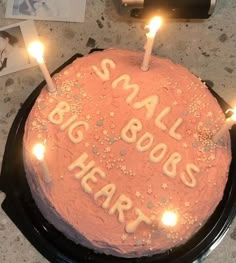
pixel 22 210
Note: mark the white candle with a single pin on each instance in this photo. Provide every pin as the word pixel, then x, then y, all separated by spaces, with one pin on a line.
pixel 39 151
pixel 36 50
pixel 154 25
pixel 229 122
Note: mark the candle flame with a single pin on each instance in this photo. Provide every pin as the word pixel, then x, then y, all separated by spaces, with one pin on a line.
pixel 36 50
pixel 169 218
pixel 39 151
pixel 154 25
pixel 234 113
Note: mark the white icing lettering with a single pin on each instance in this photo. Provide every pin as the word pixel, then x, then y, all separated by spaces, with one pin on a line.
pixel 190 168
pixel 170 166
pixel 90 176
pixel 162 148
pixel 149 103
pixel 68 122
pixel 104 74
pixel 158 121
pixel 133 225
pixel 80 163
pixel 107 191
pixel 172 131
pixel 79 135
pixel 129 132
pixel 145 142
pixel 122 204
pixel 127 86
pixel 57 115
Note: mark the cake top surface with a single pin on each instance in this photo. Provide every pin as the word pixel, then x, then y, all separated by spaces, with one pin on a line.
pixel 129 153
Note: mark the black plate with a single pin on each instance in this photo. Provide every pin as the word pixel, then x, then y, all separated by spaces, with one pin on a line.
pixel 22 210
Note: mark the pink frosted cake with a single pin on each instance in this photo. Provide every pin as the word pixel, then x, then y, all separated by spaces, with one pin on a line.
pixel 129 167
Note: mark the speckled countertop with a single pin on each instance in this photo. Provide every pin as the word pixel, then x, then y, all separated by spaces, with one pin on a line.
pixel 207 48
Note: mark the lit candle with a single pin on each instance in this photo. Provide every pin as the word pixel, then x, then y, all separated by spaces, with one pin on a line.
pixel 154 25
pixel 36 50
pixel 169 218
pixel 229 122
pixel 39 151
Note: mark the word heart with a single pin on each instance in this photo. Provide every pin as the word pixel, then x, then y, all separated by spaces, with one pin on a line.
pixel 89 173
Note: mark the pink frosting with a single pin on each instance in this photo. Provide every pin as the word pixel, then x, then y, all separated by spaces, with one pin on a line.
pixel 103 112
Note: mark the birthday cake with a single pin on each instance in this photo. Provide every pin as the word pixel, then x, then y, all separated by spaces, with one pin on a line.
pixel 130 168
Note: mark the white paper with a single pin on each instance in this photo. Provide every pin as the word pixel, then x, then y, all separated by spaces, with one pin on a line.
pixel 54 10
pixel 14 51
